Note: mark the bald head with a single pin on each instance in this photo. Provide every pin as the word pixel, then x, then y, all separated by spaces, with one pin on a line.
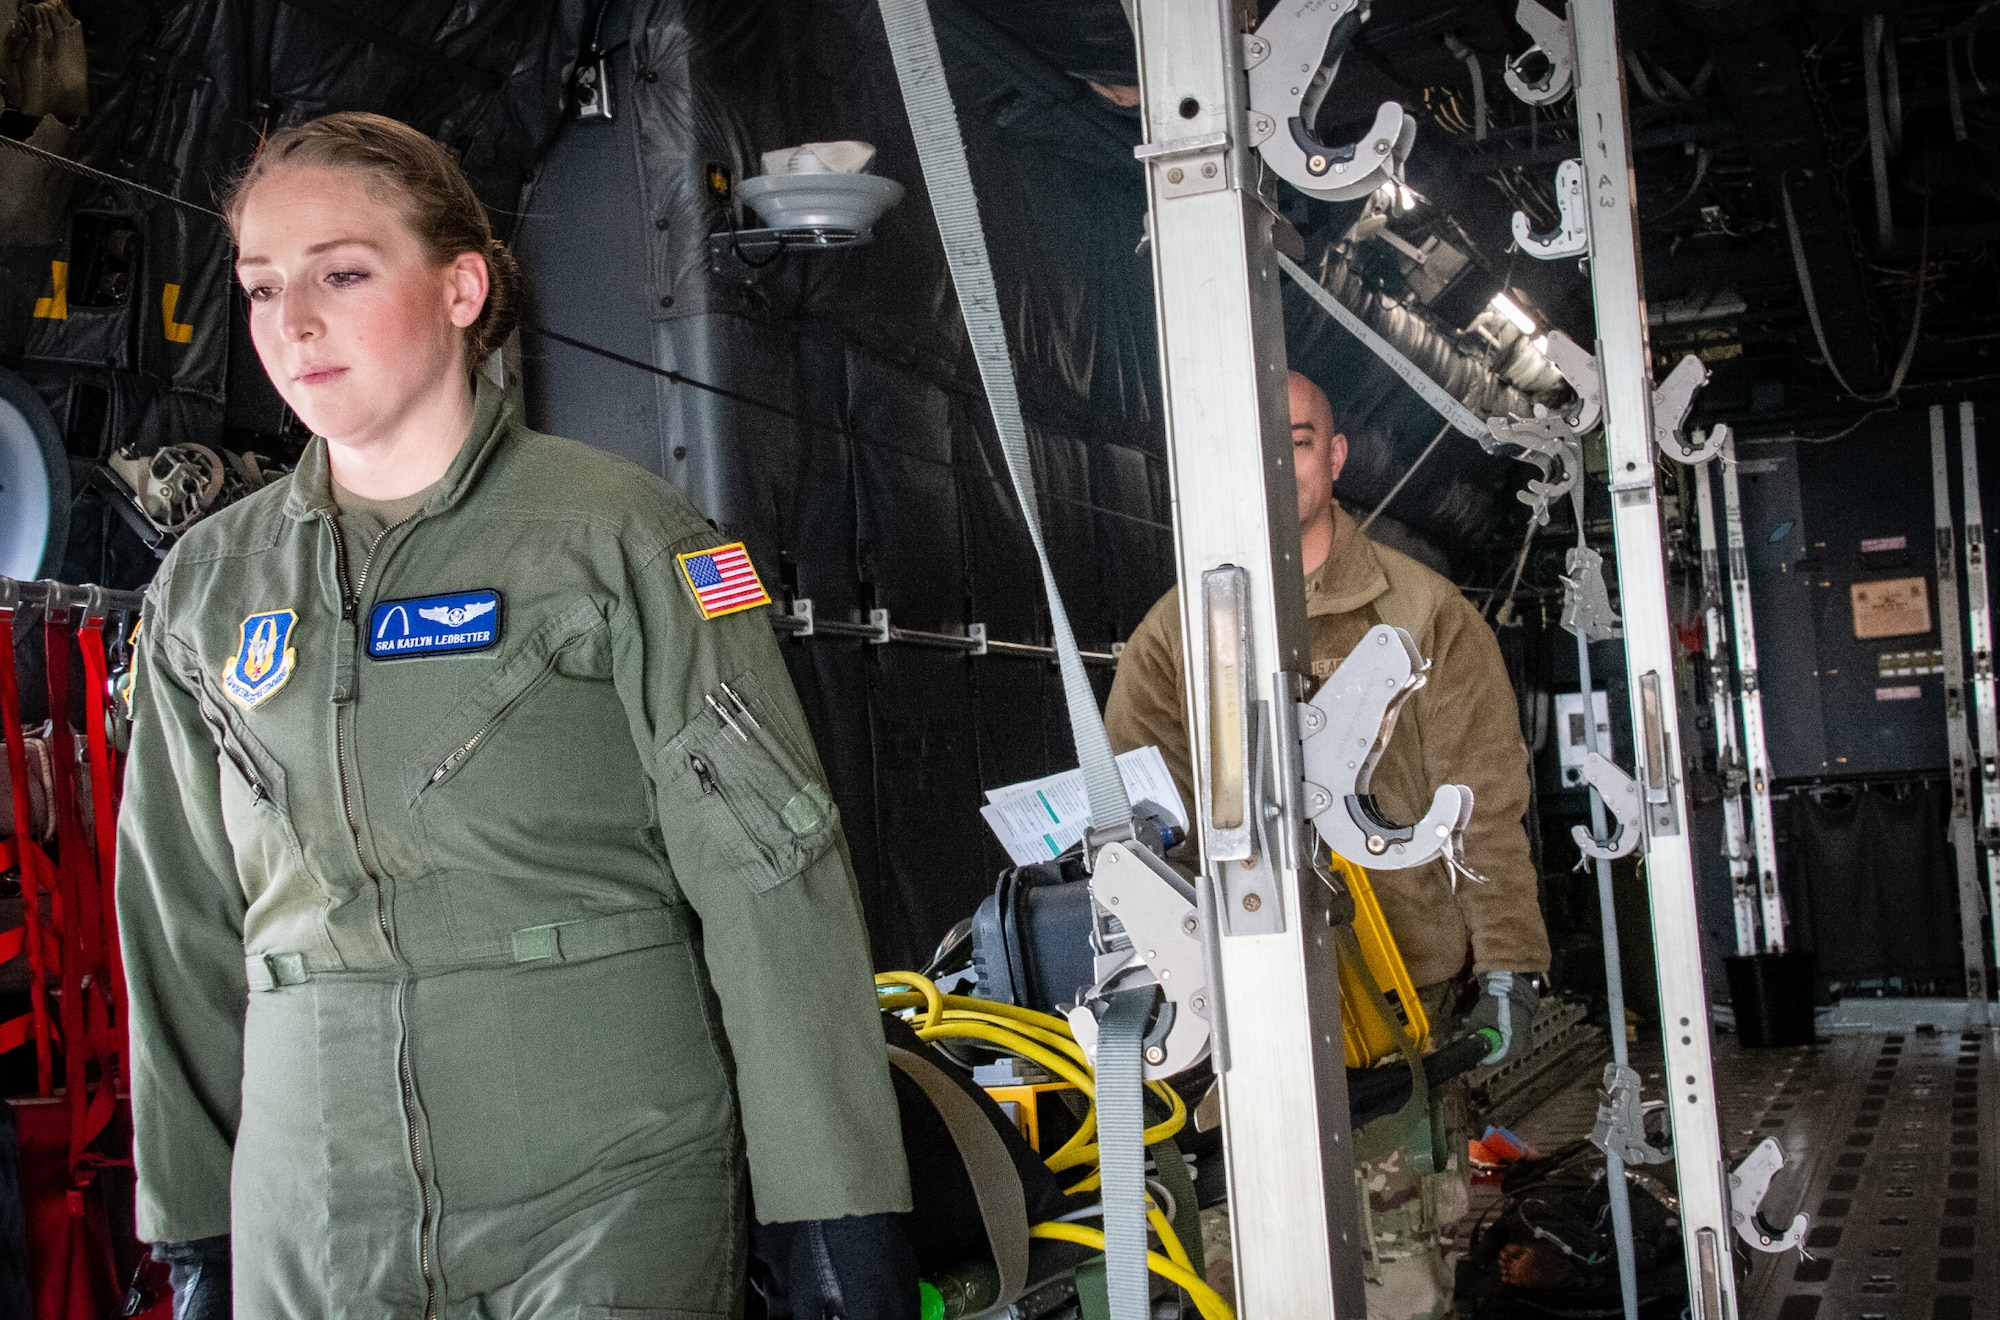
pixel 1319 451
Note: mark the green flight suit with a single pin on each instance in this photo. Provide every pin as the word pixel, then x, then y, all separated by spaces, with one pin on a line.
pixel 536 948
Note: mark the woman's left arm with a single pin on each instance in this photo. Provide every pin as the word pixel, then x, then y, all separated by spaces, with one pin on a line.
pixel 756 847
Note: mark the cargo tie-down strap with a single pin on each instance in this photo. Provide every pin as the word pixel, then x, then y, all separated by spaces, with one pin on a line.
pixel 1120 1093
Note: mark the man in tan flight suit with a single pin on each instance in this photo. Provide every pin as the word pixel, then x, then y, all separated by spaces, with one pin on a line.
pixel 1461 727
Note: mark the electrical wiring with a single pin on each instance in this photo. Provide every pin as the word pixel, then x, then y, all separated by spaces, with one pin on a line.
pixel 1046 1041
pixel 1206 1299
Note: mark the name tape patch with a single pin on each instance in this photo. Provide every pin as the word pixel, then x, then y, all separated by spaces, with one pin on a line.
pixel 451 624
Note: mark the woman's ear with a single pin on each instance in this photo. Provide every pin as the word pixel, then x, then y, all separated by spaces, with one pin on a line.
pixel 466 283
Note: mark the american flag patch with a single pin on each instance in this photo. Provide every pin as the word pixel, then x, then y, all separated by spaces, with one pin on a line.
pixel 723 580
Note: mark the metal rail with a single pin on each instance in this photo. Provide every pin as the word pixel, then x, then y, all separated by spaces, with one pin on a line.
pixel 801 621
pixel 1624 359
pixel 14 592
pixel 1756 756
pixel 1722 707
pixel 1951 636
pixel 1294 1213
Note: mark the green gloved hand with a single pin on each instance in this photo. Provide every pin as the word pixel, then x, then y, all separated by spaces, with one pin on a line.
pixel 1508 1006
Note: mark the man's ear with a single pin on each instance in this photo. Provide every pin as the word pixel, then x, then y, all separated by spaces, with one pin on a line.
pixel 1336 457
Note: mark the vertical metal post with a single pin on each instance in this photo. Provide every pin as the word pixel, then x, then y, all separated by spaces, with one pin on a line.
pixel 1722 708
pixel 1979 629
pixel 1617 1192
pixel 1624 359
pixel 1951 636
pixel 1294 1214
pixel 1756 757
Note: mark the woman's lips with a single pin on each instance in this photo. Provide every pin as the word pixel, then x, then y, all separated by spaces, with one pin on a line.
pixel 319 375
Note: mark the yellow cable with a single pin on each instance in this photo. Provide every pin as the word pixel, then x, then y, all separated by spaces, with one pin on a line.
pixel 1168 1238
pixel 1206 1299
pixel 923 985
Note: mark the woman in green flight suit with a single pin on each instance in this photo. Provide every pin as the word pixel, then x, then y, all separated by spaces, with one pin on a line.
pixel 483 907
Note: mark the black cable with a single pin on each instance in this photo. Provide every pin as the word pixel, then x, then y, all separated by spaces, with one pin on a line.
pixel 678 379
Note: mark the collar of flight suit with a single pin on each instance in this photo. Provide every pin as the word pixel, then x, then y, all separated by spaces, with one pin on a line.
pixel 1351 576
pixel 312 482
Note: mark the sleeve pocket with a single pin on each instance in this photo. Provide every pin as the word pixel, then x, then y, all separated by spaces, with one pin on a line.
pixel 737 800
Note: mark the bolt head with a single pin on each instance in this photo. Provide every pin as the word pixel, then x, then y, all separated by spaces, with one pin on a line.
pixel 1189 925
pixel 1155 1055
pixel 1251 902
pixel 1316 164
pixel 1174 175
pixel 1199 1003
pixel 1208 170
pixel 1377 844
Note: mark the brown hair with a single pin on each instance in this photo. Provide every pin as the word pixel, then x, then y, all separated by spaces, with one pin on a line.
pixel 422 180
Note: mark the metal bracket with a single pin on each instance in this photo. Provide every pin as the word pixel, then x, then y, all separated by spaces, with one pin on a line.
pixel 1345 728
pixel 802 610
pixel 1621 1123
pixel 1148 930
pixel 1554 44
pixel 1551 445
pixel 1672 399
pixel 1587 608
pixel 1291 61
pixel 1579 367
pixel 977 632
pixel 1622 799
pixel 590 89
pixel 1248 887
pixel 1571 236
pixel 878 623
pixel 1747 1188
pixel 1188 165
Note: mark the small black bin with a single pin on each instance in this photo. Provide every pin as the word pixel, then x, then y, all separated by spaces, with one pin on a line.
pixel 1773 997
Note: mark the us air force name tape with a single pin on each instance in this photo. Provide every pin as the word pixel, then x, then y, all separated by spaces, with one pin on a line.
pixel 451 624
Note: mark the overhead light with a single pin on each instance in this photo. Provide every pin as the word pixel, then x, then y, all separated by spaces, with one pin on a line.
pixel 1510 309
pixel 1542 345
pixel 1408 198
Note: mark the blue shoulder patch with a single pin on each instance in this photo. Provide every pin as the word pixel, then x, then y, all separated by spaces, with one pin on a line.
pixel 451 624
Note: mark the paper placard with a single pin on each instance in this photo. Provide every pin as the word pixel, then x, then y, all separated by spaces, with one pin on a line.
pixel 1893 608
pixel 1039 820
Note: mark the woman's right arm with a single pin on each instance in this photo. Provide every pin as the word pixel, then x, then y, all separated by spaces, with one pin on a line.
pixel 180 923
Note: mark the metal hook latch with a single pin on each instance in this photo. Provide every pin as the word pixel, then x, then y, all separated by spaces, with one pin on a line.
pixel 1291 60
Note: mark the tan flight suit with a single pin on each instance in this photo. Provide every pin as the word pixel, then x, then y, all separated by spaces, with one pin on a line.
pixel 1461 727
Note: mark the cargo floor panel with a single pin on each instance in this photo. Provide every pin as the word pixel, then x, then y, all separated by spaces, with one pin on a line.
pixel 1892 1148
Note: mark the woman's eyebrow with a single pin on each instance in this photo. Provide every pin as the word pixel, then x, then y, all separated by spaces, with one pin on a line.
pixel 313 251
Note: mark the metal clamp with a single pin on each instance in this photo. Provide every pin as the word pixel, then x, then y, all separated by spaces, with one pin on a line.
pixel 1147 930
pixel 1579 367
pixel 1622 798
pixel 1551 445
pixel 1621 1123
pixel 1587 611
pixel 1291 60
pixel 1571 236
pixel 1345 728
pixel 1554 44
pixel 1747 1188
pixel 1671 401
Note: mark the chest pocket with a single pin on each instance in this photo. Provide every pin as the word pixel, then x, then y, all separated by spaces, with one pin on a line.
pixel 741 796
pixel 471 725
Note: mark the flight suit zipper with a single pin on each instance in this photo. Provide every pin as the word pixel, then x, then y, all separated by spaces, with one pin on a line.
pixel 350 606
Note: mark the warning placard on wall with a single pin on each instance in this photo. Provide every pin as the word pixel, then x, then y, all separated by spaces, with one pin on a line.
pixel 1893 608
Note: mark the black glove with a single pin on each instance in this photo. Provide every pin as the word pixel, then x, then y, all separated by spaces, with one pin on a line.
pixel 858 1268
pixel 199 1273
pixel 1509 1006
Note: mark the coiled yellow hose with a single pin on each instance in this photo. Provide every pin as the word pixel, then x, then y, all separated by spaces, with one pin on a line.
pixel 1045 1040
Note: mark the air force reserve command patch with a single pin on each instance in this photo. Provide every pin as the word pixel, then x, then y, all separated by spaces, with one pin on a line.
pixel 723 580
pixel 264 658
pixel 451 624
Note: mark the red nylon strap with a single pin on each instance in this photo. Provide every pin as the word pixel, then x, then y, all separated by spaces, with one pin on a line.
pixel 34 865
pixel 85 1014
pixel 104 781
